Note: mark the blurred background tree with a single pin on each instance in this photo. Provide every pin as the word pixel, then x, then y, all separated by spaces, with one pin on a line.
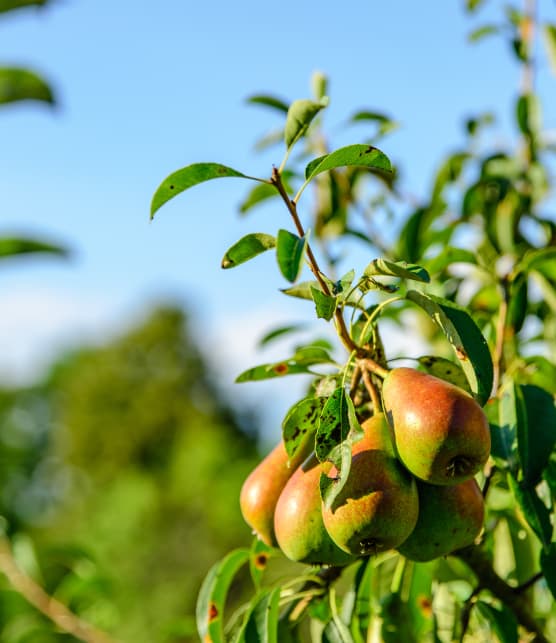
pixel 123 469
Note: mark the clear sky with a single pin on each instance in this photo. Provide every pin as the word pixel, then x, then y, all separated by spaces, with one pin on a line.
pixel 145 88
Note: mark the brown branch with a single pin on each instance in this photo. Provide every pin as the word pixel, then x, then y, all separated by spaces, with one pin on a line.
pixel 371 389
pixel 476 559
pixel 343 332
pixel 53 609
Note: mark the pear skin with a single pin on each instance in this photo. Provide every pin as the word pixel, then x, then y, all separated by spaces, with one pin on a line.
pixel 378 506
pixel 441 434
pixel 450 517
pixel 298 521
pixel 261 489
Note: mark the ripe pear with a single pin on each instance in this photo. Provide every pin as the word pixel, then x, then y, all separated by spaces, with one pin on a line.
pixel 441 434
pixel 449 518
pixel 260 491
pixel 378 506
pixel 298 521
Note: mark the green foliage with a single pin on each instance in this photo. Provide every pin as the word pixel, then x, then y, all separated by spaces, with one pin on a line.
pixel 482 246
pixel 17 84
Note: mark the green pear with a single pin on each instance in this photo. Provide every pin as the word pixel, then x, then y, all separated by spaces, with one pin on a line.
pixel 298 521
pixel 378 506
pixel 449 518
pixel 441 434
pixel 262 488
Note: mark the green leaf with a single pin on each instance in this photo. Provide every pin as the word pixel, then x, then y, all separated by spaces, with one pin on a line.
pixel 302 290
pixel 444 369
pixel 534 510
pixel 352 155
pixel 279 332
pixel 548 566
pixel 482 32
pixel 300 114
pixel 396 269
pixel 337 428
pixel 213 593
pixel 261 624
pixel 448 256
pixel 536 436
pixel 325 304
pixel 466 339
pixel 270 371
pixel 258 560
pixel 528 114
pixel 18 84
pixel 504 433
pixel 537 260
pixel 549 34
pixel 246 248
pixel 301 422
pixel 189 176
pixel 473 5
pixel 268 101
pixel 258 194
pixel 8 5
pixel 314 353
pixel 290 250
pixel 501 620
pixel 11 246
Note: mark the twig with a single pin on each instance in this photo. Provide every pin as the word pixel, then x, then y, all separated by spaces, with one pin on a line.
pixel 373 393
pixel 476 559
pixel 53 609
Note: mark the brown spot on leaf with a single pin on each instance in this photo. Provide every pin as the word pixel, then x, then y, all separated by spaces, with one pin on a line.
pixel 171 187
pixel 260 561
pixel 212 612
pixel 461 354
pixel 425 605
pixel 280 369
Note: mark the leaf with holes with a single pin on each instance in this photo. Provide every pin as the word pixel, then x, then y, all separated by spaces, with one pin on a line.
pixel 213 593
pixel 301 422
pixel 325 304
pixel 465 337
pixel 246 248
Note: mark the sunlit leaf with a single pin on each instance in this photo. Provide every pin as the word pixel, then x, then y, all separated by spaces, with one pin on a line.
pixel 444 369
pixel 396 269
pixel 213 593
pixel 290 251
pixel 352 155
pixel 246 248
pixel 268 101
pixel 270 371
pixel 465 337
pixel 325 304
pixel 302 290
pixel 189 176
pixel 300 114
pixel 534 510
pixel 502 620
pixel 18 84
pixel 300 422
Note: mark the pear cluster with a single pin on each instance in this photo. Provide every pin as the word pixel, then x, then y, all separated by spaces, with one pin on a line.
pixel 410 487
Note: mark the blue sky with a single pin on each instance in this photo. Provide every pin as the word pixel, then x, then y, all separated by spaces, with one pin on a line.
pixel 146 88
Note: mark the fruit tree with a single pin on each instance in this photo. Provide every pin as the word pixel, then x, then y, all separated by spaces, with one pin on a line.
pixel 415 496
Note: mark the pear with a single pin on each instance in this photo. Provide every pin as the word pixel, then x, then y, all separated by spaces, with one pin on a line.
pixel 449 518
pixel 441 434
pixel 298 521
pixel 260 491
pixel 378 506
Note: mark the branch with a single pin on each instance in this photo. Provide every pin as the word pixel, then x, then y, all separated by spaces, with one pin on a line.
pixel 476 559
pixel 34 594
